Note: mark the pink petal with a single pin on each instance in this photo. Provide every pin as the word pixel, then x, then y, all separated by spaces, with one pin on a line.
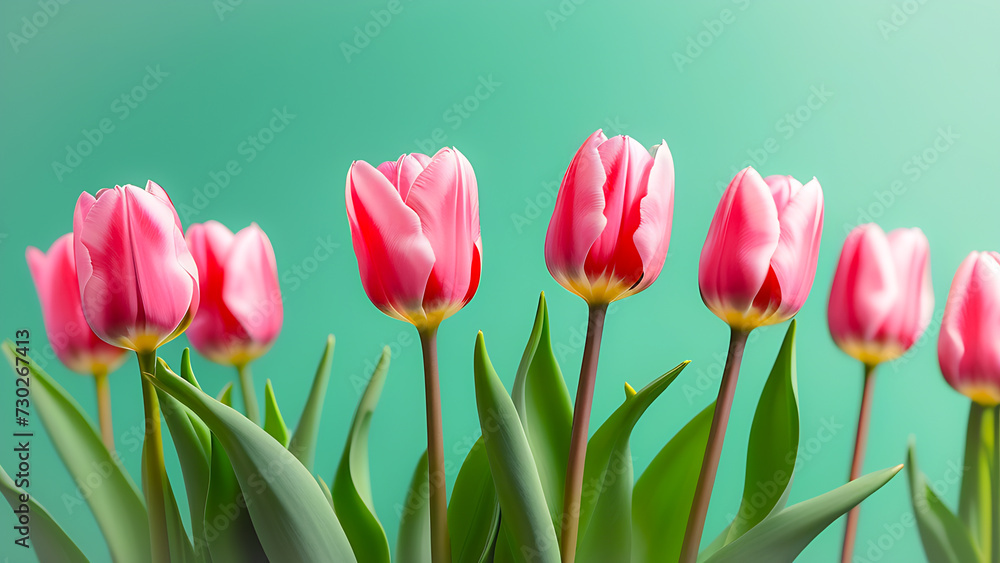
pixel 794 260
pixel 970 329
pixel 783 189
pixel 250 288
pixel 865 287
pixel 915 304
pixel 656 210
pixel 161 194
pixel 743 236
pixel 214 327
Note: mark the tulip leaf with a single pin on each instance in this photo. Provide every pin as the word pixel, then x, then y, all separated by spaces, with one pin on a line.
pixel 606 502
pixel 781 537
pixel 326 491
pixel 274 424
pixel 944 536
pixel 473 513
pixel 303 443
pixel 180 545
pixel 117 504
pixel 515 476
pixel 48 540
pixel 543 404
pixel 352 488
pixel 231 536
pixel 413 544
pixel 773 445
pixel 664 492
pixel 292 519
pixel 225 395
pixel 187 430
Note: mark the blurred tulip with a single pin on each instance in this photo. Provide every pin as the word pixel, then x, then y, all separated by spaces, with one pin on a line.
pixel 240 310
pixel 969 342
pixel 610 228
pixel 759 259
pixel 881 300
pixel 76 346
pixel 138 282
pixel 415 228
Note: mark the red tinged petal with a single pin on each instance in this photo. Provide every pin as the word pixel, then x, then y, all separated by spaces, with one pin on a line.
pixel 800 214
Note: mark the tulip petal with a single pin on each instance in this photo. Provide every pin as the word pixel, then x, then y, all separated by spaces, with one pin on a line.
pixel 394 256
pixel 161 194
pixel 211 329
pixel 915 304
pixel 794 260
pixel 783 189
pixel 578 217
pixel 656 211
pixel 445 197
pixel 404 171
pixel 970 327
pixel 743 236
pixel 865 287
pixel 251 291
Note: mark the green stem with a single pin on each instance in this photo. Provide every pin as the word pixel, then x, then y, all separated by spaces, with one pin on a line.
pixel 437 493
pixel 570 525
pixel 152 466
pixel 713 450
pixel 995 478
pixel 968 500
pixel 860 445
pixel 249 394
pixel 104 408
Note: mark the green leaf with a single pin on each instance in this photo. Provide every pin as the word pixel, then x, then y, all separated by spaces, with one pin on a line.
pixel 974 504
pixel 543 404
pixel 773 445
pixel 663 494
pixel 606 501
pixel 326 491
pixel 49 542
pixel 473 513
pixel 187 431
pixel 290 515
pixel 413 544
pixel 180 545
pixel 117 504
pixel 303 444
pixel 225 396
pixel 352 488
pixel 515 477
pixel 945 537
pixel 274 424
pixel 231 534
pixel 781 537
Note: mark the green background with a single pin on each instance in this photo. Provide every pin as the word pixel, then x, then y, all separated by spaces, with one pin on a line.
pixel 895 75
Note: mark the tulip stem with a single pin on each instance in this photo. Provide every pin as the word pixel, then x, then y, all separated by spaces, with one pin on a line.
pixel 437 493
pixel 104 407
pixel 249 394
pixel 570 527
pixel 154 473
pixel 995 479
pixel 968 501
pixel 713 450
pixel 857 462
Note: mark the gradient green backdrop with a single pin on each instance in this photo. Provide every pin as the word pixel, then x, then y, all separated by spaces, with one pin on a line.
pixel 891 105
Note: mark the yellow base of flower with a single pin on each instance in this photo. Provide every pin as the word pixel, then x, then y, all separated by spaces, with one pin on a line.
pixel 872 354
pixel 986 395
pixel 596 292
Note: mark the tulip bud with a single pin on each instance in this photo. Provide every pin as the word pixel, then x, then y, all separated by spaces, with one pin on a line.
pixel 240 310
pixel 138 283
pixel 76 346
pixel 969 342
pixel 881 300
pixel 610 228
pixel 415 228
pixel 759 259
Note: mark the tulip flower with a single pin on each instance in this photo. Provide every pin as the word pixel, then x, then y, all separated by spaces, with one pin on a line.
pixel 415 228
pixel 969 341
pixel 756 269
pixel 139 289
pixel 607 239
pixel 881 302
pixel 76 346
pixel 240 310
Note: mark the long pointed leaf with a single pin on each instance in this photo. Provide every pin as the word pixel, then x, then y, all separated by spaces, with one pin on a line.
pixel 292 519
pixel 413 544
pixel 606 503
pixel 231 535
pixel 274 424
pixel 303 443
pixel 352 488
pixel 41 532
pixel 518 486
pixel 944 536
pixel 663 494
pixel 780 538
pixel 117 504
pixel 474 512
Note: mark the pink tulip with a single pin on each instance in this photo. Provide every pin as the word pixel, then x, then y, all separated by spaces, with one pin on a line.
pixel 881 300
pixel 415 228
pixel 610 228
pixel 969 342
pixel 71 339
pixel 759 259
pixel 138 282
pixel 240 313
